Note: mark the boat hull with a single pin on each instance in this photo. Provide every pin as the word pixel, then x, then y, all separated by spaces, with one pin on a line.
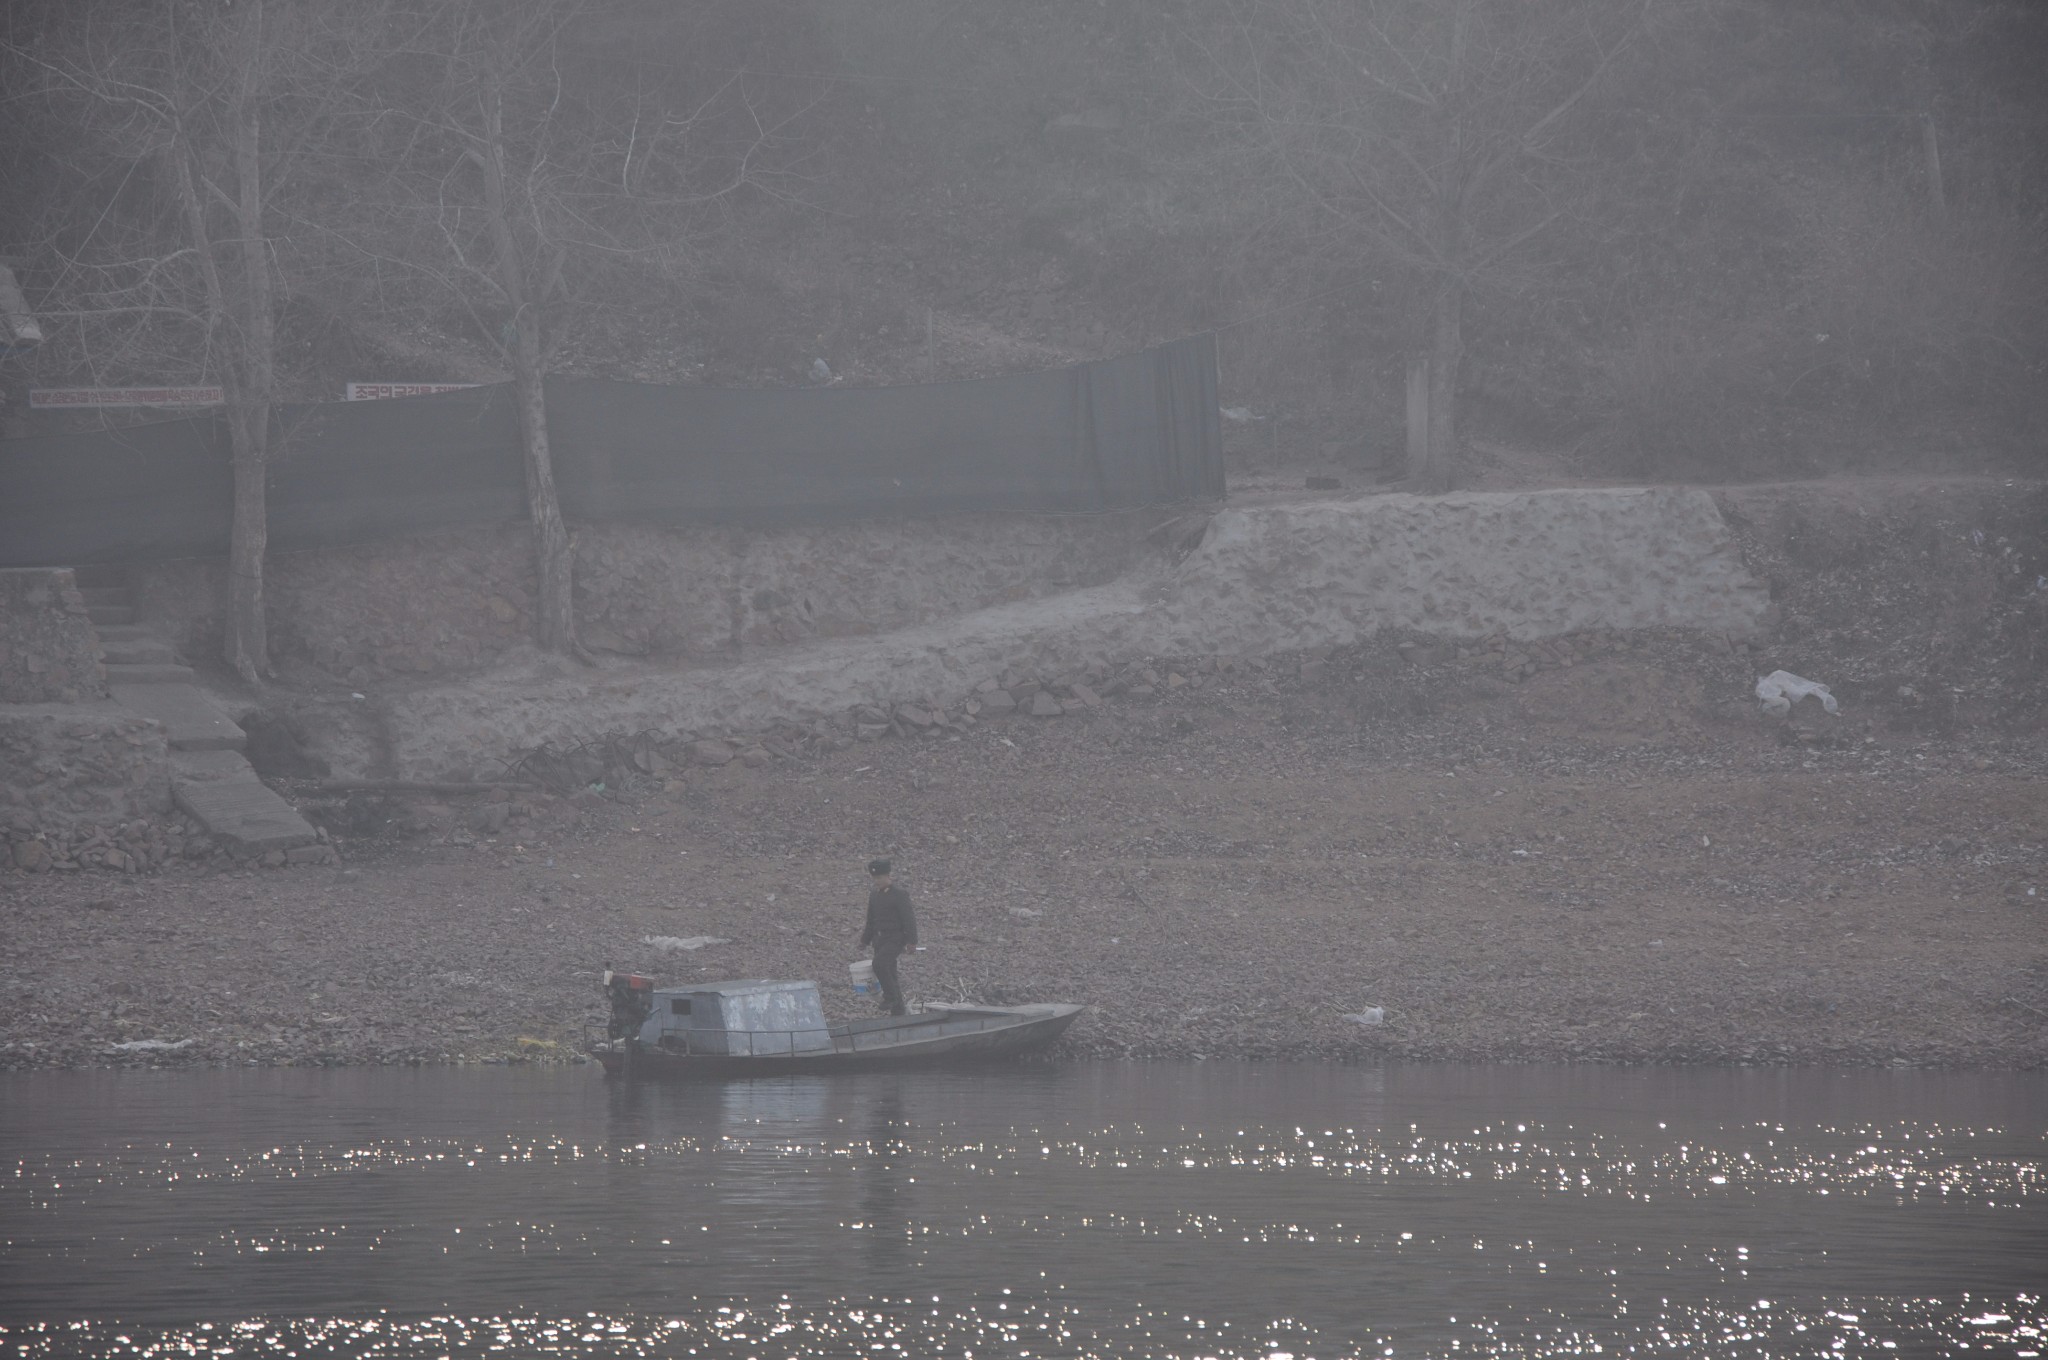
pixel 940 1036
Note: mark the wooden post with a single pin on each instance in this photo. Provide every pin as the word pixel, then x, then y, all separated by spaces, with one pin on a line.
pixel 1418 416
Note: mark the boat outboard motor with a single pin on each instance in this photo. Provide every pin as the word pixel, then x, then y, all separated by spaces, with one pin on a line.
pixel 632 998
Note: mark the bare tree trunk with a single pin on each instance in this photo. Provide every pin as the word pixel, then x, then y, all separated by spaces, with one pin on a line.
pixel 1446 349
pixel 556 617
pixel 247 646
pixel 249 394
pixel 1454 187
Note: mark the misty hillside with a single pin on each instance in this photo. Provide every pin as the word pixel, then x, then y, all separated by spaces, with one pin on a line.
pixel 1704 240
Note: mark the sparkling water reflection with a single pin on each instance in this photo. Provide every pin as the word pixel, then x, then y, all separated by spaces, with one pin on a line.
pixel 1162 1210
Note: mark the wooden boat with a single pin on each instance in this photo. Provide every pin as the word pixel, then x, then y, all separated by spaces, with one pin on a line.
pixel 756 1027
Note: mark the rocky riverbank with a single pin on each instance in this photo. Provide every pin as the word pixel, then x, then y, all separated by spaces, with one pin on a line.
pixel 1597 851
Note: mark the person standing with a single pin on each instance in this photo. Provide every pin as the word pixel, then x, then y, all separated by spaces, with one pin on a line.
pixel 891 928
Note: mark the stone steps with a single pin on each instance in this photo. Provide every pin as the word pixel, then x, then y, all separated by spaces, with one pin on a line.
pixel 242 813
pixel 98 575
pixel 149 673
pixel 210 780
pixel 145 651
pixel 190 722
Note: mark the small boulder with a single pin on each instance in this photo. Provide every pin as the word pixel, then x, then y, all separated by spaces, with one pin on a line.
pixel 1043 705
pixel 489 818
pixel 998 701
pixel 754 757
pixel 31 857
pixel 711 752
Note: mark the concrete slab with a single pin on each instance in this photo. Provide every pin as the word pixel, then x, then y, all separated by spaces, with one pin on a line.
pixel 110 613
pixel 243 814
pixel 190 722
pixel 209 767
pixel 151 673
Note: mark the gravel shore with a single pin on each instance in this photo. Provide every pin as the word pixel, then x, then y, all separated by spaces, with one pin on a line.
pixel 1611 858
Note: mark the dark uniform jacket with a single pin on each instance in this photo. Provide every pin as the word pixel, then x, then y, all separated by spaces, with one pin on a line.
pixel 891 926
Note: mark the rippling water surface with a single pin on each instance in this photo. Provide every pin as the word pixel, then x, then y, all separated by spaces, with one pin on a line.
pixel 1097 1210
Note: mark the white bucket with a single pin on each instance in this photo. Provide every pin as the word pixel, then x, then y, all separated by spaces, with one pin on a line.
pixel 862 973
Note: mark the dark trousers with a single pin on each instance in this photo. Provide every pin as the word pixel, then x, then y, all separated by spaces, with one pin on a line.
pixel 885 973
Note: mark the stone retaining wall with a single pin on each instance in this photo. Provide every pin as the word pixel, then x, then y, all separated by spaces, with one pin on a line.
pixel 457 601
pixel 1521 568
pixel 49 652
pixel 66 766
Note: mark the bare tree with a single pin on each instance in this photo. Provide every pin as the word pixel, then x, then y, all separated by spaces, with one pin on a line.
pixel 183 121
pixel 1432 135
pixel 522 177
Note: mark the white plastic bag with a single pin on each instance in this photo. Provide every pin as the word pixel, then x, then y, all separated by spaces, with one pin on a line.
pixel 1781 689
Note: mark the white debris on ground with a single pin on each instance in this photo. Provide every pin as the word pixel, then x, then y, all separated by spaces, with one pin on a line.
pixel 680 943
pixel 1781 689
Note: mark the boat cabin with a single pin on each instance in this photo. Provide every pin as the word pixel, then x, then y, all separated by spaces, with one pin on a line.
pixel 739 1019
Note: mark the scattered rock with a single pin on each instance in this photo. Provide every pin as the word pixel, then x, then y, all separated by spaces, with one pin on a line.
pixel 1043 705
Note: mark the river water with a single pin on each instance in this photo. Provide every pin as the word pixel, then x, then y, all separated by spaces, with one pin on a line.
pixel 1216 1210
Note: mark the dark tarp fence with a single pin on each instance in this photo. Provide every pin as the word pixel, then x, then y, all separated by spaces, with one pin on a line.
pixel 1137 430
